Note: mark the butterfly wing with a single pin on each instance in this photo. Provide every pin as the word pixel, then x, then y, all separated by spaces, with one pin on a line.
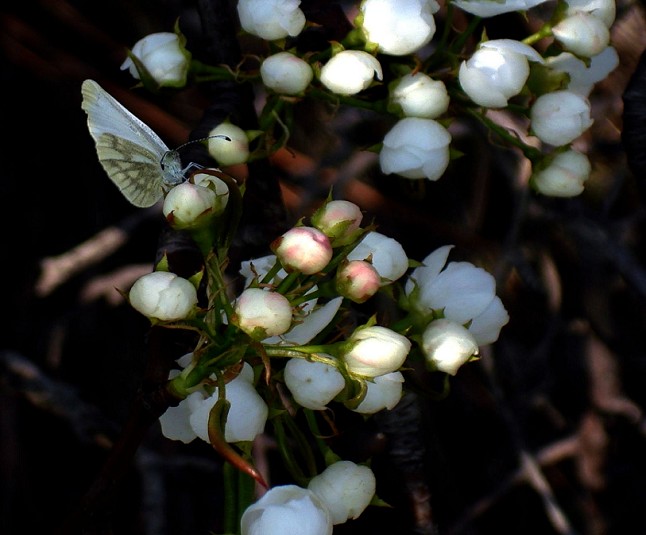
pixel 129 151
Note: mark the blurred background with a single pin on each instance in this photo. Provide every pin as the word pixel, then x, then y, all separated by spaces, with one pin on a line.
pixel 544 435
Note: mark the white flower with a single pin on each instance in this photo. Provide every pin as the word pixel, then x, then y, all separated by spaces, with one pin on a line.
pixel 387 256
pixel 271 19
pixel 582 34
pixel 246 418
pixel 418 95
pixel 175 422
pixel 491 8
pixel 399 27
pixel 357 280
pixel 447 345
pixel 247 413
pixel 384 392
pixel 163 295
pixel 345 488
pixel 303 249
pixel 313 384
pixel 231 149
pixel 189 205
pixel 262 313
pixel 287 509
pixel 416 148
pixel 558 118
pixel 465 293
pixel 286 73
pixel 497 71
pixel 163 56
pixel 350 71
pixel 374 351
pixel 582 77
pixel 564 176
pixel 605 10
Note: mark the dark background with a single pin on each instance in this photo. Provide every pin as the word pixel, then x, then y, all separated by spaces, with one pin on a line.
pixel 545 434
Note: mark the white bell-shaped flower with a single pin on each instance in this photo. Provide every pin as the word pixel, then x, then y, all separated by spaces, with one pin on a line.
pixel 497 71
pixel 465 293
pixel 374 351
pixel 418 95
pixel 287 509
pixel 286 73
pixel 447 345
pixel 399 27
pixel 582 34
pixel 564 176
pixel 247 413
pixel 558 118
pixel 416 148
pixel 163 56
pixel 383 392
pixel 346 489
pixel 163 295
pixel 350 71
pixel 313 384
pixel 271 19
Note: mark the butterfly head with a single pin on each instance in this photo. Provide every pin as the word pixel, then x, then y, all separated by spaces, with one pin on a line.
pixel 171 166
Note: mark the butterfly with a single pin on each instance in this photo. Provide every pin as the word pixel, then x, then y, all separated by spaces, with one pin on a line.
pixel 134 157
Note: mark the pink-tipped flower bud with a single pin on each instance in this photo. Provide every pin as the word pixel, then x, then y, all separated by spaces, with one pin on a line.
pixel 357 280
pixel 303 249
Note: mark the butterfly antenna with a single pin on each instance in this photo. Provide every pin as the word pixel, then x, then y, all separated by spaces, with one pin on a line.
pixel 202 139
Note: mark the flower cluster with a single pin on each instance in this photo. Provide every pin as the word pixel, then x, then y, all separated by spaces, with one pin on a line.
pixel 285 327
pixel 282 339
pixel 551 88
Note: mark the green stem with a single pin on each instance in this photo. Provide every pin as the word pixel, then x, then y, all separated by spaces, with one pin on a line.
pixel 545 31
pixel 530 152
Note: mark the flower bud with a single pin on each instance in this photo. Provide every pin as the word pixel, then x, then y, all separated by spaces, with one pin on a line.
pixel 497 71
pixel 286 73
pixel 582 34
pixel 357 280
pixel 338 220
pixel 271 19
pixel 350 71
pixel 386 254
pixel 190 206
pixel 606 10
pixel 374 351
pixel 416 148
pixel 418 95
pixel 231 149
pixel 399 27
pixel 163 56
pixel 558 118
pixel 262 313
pixel 564 176
pixel 384 392
pixel 303 249
pixel 247 413
pixel 447 345
pixel 287 509
pixel 313 384
pixel 345 488
pixel 163 295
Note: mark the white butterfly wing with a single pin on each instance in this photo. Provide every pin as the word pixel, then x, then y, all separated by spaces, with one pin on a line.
pixel 129 151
